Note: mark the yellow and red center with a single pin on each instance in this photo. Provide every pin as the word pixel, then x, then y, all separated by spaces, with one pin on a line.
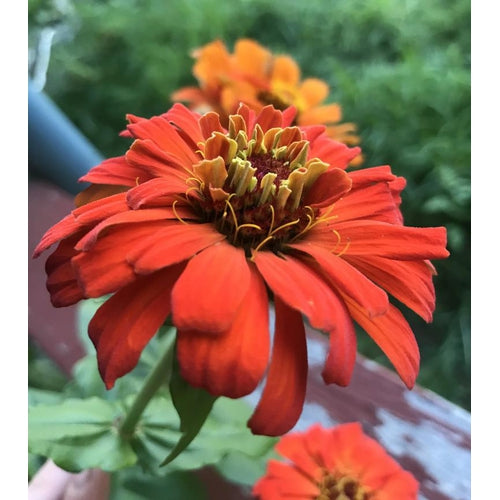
pixel 333 487
pixel 252 188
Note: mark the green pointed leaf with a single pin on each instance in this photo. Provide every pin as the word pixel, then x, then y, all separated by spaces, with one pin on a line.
pixel 193 406
pixel 79 434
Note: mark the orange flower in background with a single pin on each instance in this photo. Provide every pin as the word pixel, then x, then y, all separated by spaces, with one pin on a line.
pixel 340 463
pixel 208 225
pixel 256 77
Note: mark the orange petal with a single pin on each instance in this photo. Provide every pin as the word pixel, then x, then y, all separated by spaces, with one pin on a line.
pixel 62 283
pixel 374 202
pixel 114 171
pixel 303 450
pixel 409 282
pixel 170 245
pixel 165 136
pixel 85 215
pixel 299 287
pixel 208 294
pixel 187 123
pixel 105 268
pixel 330 113
pixel 285 69
pixel 159 191
pixel 283 396
pixel 391 241
pixel 313 91
pixel 124 324
pixel 328 188
pixel 252 59
pixel 335 153
pixel 147 156
pixel 230 364
pixel 283 481
pixel 347 279
pixel 128 217
pixel 394 336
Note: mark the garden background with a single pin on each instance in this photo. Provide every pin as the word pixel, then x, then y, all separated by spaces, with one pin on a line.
pixel 399 68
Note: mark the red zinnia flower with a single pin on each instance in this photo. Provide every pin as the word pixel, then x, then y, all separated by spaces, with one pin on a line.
pixel 334 464
pixel 205 224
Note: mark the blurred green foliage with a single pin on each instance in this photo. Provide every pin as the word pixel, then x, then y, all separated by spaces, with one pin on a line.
pixel 399 68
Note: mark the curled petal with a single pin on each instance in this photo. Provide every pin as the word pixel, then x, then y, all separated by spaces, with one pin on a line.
pixel 62 282
pixel 283 397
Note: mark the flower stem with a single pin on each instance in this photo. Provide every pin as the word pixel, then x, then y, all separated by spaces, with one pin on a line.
pixel 159 376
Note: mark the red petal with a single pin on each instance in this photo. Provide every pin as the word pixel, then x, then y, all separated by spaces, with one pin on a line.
pixel 105 269
pixel 62 283
pixel 346 278
pixel 408 281
pixel 165 136
pixel 160 191
pixel 230 364
pixel 303 450
pixel 187 123
pixel 390 241
pixel 124 324
pixel 86 215
pixel 268 118
pixel 283 397
pixel 337 154
pixel 153 161
pixel 210 123
pixel 341 358
pixel 328 188
pixel 300 287
pixel 116 171
pixel 173 244
pixel 284 482
pixel 373 202
pixel 394 336
pixel 209 292
pixel 128 217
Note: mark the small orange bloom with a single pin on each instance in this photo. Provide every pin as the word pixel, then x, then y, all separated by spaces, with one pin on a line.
pixel 256 77
pixel 340 463
pixel 208 225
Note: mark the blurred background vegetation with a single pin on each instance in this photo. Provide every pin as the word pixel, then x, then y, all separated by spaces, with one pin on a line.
pixel 399 68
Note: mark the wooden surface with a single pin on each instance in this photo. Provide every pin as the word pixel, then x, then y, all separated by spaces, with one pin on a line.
pixel 426 434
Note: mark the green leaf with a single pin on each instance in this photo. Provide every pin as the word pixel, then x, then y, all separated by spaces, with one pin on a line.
pixel 40 396
pixel 132 484
pixel 79 434
pixel 193 406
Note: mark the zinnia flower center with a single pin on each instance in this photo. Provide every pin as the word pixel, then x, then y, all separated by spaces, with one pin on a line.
pixel 252 189
pixel 340 488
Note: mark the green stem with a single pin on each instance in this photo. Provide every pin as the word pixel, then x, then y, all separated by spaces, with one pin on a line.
pixel 159 376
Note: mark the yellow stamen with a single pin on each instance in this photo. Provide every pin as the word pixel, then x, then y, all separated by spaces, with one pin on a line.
pixel 288 224
pixel 176 214
pixel 260 245
pixel 272 221
pixel 254 226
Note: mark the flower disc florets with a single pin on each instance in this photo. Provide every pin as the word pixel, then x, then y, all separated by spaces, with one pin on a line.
pixel 252 188
pixel 340 488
